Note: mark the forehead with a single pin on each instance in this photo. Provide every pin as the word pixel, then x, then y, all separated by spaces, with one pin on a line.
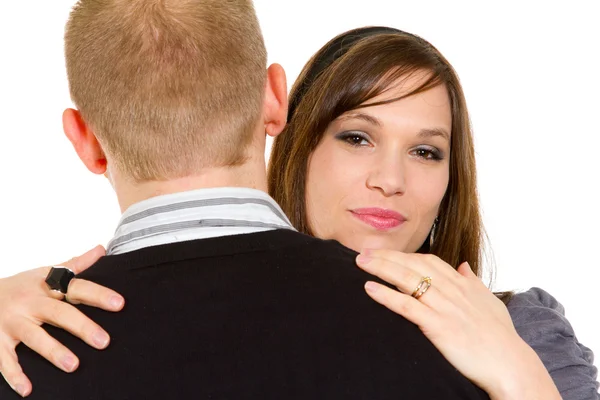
pixel 430 107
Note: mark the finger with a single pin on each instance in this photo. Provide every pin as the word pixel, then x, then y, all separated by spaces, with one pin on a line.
pixel 40 275
pixel 426 264
pixel 40 341
pixel 401 304
pixel 465 270
pixel 13 373
pixel 399 275
pixel 69 318
pixel 91 294
pixel 439 294
pixel 84 261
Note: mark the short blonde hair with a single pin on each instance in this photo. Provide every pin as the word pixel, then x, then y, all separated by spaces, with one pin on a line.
pixel 168 86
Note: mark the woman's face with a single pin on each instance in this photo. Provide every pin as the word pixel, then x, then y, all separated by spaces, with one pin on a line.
pixel 378 176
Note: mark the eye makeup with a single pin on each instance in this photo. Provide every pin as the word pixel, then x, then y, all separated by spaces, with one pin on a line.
pixel 354 138
pixel 428 153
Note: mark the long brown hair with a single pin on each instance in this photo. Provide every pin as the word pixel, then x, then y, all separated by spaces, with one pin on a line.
pixel 350 70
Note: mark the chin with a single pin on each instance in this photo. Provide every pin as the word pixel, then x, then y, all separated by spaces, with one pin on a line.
pixel 374 242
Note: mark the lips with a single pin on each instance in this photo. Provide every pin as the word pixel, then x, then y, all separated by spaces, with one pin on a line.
pixel 379 218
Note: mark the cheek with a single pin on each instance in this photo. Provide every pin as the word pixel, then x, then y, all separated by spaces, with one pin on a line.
pixel 428 190
pixel 317 177
pixel 331 179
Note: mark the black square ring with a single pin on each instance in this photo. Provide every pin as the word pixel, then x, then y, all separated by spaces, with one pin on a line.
pixel 58 279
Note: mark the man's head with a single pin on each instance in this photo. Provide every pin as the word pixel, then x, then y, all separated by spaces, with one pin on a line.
pixel 167 88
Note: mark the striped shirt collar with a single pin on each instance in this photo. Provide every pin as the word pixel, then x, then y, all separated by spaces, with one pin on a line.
pixel 196 214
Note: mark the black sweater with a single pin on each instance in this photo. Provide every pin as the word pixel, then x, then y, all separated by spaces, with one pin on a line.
pixel 272 315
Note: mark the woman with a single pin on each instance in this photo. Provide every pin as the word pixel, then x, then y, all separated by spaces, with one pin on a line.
pixel 349 128
pixel 378 154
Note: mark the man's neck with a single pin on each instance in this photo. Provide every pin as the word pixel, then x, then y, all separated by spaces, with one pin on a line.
pixel 249 175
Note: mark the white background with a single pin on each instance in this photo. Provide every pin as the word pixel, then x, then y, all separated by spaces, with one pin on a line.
pixel 531 73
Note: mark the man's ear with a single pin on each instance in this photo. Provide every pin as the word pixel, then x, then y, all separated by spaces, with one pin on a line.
pixel 84 141
pixel 276 102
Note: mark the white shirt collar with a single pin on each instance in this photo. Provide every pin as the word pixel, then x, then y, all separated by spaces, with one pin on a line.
pixel 196 214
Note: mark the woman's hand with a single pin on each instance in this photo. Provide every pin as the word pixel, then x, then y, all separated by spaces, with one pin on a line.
pixel 467 323
pixel 26 303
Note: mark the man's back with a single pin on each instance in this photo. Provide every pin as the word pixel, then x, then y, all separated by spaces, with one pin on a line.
pixel 268 315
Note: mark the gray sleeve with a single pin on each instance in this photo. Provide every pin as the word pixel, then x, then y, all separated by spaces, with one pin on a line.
pixel 540 320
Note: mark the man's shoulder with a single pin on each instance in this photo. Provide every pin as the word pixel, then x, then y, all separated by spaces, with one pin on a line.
pixel 289 248
pixel 273 316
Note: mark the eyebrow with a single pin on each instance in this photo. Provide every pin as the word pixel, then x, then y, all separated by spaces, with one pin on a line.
pixel 433 132
pixel 423 133
pixel 365 117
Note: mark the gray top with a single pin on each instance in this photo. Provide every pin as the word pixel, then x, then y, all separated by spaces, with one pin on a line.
pixel 540 320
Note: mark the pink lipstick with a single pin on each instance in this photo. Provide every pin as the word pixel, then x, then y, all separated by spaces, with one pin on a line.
pixel 379 218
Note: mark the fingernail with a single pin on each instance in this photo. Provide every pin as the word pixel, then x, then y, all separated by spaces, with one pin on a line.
pixel 116 302
pixel 100 339
pixel 69 363
pixel 364 257
pixel 371 287
pixel 20 388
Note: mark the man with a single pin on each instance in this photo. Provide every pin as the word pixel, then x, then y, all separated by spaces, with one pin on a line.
pixel 225 299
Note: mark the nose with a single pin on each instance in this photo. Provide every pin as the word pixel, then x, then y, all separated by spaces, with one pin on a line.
pixel 388 175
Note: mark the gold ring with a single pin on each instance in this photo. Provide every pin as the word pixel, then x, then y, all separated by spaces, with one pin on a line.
pixel 424 285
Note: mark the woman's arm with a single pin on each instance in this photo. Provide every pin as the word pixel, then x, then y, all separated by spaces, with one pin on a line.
pixel 540 320
pixel 26 303
pixel 467 323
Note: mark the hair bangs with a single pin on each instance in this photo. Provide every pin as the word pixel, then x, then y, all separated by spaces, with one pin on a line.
pixel 373 67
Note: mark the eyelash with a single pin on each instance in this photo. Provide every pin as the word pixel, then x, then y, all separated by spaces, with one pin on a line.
pixel 348 136
pixel 431 153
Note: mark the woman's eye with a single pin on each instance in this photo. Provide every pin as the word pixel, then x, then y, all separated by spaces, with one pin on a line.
pixel 354 139
pixel 428 154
